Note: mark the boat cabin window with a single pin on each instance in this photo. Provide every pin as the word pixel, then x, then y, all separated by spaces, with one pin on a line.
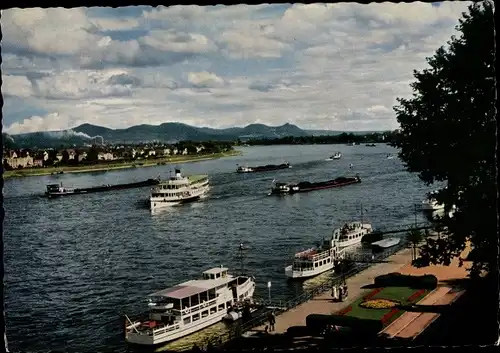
pixel 220 307
pixel 187 320
pixel 162 301
pixel 196 317
pixel 211 294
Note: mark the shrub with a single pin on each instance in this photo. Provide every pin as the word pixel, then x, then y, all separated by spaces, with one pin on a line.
pixel 397 279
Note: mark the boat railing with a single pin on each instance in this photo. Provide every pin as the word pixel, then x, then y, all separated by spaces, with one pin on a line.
pixel 197 307
pixel 304 253
pixel 164 329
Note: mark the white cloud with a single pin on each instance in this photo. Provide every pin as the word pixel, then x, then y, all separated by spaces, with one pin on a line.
pixel 205 79
pixel 333 66
pixel 17 86
pixel 50 122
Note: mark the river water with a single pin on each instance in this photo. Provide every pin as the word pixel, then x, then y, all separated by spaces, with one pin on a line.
pixel 72 265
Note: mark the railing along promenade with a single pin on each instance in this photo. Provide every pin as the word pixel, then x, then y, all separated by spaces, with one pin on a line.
pixel 360 263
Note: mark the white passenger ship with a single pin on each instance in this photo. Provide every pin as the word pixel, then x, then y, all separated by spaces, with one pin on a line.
pixel 312 262
pixel 352 233
pixel 190 306
pixel 179 189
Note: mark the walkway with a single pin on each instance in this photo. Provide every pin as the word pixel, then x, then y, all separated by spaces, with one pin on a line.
pixel 411 324
pixel 323 303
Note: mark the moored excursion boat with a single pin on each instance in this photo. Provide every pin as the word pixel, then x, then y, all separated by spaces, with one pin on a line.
pixel 56 190
pixel 189 307
pixel 352 233
pixel 337 155
pixel 290 188
pixel 314 261
pixel 431 204
pixel 264 168
pixel 179 189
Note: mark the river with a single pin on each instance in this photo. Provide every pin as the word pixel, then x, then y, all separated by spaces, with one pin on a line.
pixel 73 264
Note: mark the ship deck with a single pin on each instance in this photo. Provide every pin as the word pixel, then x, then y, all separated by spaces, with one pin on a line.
pixel 196 178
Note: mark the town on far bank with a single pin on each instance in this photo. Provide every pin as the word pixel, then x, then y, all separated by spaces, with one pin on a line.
pixel 98 154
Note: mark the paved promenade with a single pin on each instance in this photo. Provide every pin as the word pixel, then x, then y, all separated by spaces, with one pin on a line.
pixel 411 324
pixel 323 303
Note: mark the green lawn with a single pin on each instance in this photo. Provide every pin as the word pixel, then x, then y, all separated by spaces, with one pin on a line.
pixel 400 294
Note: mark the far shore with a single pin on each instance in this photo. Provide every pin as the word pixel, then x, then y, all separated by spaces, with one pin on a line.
pixel 19 173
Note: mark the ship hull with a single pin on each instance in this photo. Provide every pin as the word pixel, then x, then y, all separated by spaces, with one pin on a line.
pixel 95 189
pixel 298 188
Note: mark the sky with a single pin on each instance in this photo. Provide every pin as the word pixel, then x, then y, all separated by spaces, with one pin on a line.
pixel 320 66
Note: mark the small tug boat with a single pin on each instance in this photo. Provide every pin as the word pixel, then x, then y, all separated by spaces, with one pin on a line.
pixel 179 189
pixel 189 307
pixel 385 243
pixel 264 168
pixel 56 190
pixel 288 188
pixel 337 155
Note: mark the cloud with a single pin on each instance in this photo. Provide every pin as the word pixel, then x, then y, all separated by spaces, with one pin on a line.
pixel 332 66
pixel 205 79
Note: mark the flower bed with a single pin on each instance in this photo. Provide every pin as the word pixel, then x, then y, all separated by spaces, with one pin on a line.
pixel 387 317
pixel 416 295
pixel 373 293
pixel 379 304
pixel 345 310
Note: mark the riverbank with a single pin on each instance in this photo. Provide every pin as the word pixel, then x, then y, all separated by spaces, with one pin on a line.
pixel 20 173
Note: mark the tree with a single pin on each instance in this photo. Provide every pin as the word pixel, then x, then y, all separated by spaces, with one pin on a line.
pixel 92 155
pixel 448 134
pixel 65 157
pixel 415 237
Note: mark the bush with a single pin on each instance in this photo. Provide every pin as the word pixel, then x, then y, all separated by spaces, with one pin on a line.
pixel 397 279
pixel 317 322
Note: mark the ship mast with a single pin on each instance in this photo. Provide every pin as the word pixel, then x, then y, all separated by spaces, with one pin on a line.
pixel 361 204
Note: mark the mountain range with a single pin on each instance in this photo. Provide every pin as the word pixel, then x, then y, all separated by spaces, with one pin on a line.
pixel 167 132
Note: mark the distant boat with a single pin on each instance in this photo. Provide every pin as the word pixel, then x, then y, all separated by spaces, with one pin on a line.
pixel 264 168
pixel 385 243
pixel 389 156
pixel 337 155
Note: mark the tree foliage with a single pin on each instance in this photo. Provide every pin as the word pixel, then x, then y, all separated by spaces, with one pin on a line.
pixel 448 133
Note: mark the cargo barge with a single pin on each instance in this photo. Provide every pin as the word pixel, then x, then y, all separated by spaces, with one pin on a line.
pixel 263 168
pixel 56 190
pixel 290 188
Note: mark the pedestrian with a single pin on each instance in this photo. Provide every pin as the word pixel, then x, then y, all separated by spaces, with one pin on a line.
pixel 273 320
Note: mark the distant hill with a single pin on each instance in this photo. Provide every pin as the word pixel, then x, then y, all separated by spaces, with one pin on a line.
pixel 167 132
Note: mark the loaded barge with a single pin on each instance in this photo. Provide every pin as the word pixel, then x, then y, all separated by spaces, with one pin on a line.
pixel 56 190
pixel 264 168
pixel 305 186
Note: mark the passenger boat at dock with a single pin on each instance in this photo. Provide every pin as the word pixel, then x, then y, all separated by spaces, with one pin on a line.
pixel 58 190
pixel 352 233
pixel 179 189
pixel 314 261
pixel 290 188
pixel 264 168
pixel 189 307
pixel 431 204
